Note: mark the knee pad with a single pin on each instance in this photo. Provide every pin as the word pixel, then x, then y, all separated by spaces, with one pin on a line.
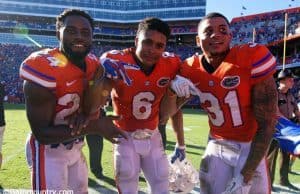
pixel 158 175
pixel 1 136
pixel 204 176
pixel 159 183
pixel 126 171
pixel 156 170
pixel 260 180
pixel 160 161
pixel 162 168
pixel 161 165
pixel 126 167
pixel 80 183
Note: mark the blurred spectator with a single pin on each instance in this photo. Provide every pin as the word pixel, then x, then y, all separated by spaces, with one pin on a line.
pixel 288 108
pixel 11 56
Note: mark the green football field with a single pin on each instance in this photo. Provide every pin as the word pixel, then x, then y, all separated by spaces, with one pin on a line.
pixel 15 174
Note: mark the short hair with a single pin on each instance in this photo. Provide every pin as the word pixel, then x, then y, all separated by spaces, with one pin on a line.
pixel 152 23
pixel 213 15
pixel 60 19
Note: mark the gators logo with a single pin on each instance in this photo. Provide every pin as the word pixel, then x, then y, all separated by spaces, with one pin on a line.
pixel 163 82
pixel 229 82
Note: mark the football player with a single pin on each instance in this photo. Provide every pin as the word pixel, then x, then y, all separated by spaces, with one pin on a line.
pixel 149 70
pixel 237 90
pixel 55 80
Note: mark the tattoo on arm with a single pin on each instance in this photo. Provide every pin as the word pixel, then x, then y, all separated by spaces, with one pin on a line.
pixel 264 103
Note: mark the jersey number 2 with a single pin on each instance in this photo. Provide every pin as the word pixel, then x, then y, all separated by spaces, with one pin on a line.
pixel 71 102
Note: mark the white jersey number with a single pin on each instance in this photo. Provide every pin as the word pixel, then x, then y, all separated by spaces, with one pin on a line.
pixel 215 113
pixel 68 99
pixel 142 105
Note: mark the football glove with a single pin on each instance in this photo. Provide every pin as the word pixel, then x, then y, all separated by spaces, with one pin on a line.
pixel 179 153
pixel 115 69
pixel 183 87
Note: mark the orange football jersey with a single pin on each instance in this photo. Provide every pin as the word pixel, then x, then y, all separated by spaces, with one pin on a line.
pixel 225 94
pixel 51 69
pixel 139 103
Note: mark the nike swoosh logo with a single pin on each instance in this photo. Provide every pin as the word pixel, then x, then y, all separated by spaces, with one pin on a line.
pixel 70 83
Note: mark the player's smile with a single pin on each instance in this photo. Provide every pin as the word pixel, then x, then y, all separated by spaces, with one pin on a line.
pixel 78 47
pixel 216 43
pixel 216 46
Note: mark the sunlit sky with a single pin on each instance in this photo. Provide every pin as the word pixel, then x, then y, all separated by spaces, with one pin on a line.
pixel 234 8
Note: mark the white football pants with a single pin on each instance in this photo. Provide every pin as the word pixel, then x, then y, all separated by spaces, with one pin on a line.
pixel 130 156
pixel 224 160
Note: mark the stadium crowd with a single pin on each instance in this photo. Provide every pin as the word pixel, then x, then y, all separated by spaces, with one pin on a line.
pixel 127 31
pixel 11 56
pixel 266 31
pixel 268 27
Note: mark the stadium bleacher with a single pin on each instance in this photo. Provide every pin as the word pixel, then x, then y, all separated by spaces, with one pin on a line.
pixel 27 39
pixel 42 31
pixel 26 25
pixel 269 27
pixel 126 5
pixel 111 11
pixel 13 53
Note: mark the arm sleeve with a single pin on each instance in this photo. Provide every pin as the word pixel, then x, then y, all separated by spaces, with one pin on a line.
pixel 263 63
pixel 38 70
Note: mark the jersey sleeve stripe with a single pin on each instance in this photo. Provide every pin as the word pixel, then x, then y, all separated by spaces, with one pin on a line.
pixel 264 66
pixel 29 76
pixel 267 71
pixel 261 61
pixel 37 73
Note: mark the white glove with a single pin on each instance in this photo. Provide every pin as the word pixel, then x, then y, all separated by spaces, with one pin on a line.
pixel 183 87
pixel 237 185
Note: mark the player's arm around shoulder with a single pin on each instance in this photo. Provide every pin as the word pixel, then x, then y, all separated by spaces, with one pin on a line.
pixel 264 104
pixel 168 103
pixel 178 93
